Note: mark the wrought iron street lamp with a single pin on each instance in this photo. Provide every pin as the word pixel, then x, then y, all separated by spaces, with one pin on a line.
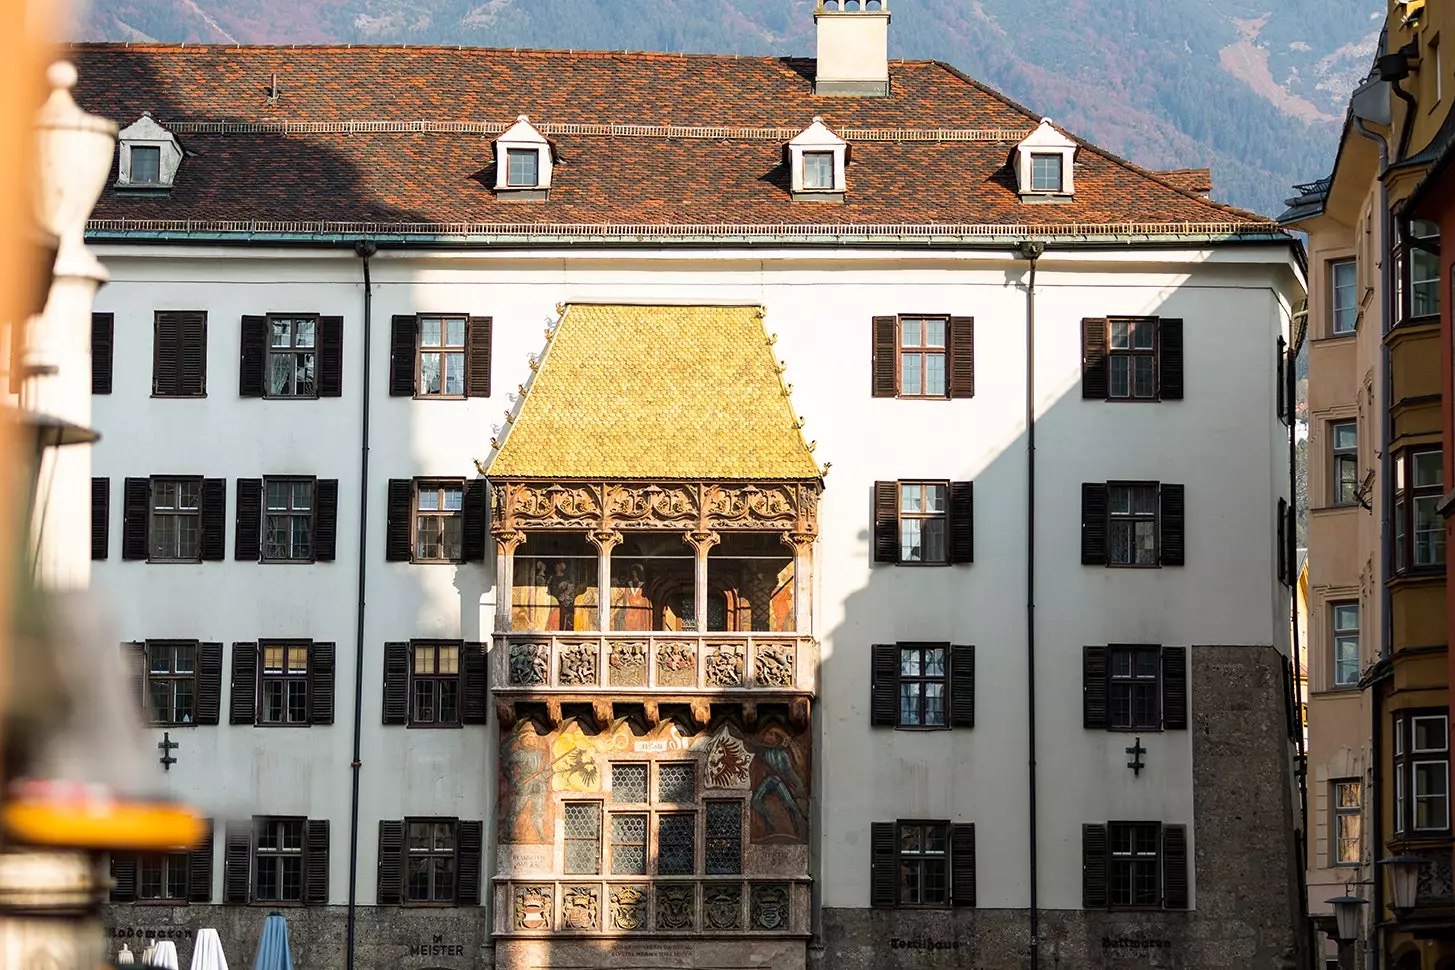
pixel 1348 914
pixel 1404 880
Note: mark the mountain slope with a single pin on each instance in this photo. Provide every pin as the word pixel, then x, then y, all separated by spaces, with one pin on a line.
pixel 1256 94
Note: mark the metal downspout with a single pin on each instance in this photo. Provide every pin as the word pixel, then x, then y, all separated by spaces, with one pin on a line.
pixel 1301 849
pixel 1031 251
pixel 364 249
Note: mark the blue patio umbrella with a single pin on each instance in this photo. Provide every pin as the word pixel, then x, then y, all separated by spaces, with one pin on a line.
pixel 273 952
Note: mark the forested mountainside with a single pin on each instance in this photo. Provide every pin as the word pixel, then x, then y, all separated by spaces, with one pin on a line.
pixel 1254 89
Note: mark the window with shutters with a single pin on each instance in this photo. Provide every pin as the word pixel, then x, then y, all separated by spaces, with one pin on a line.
pixel 176 520
pixel 1135 691
pixel 179 354
pixel 292 355
pixel 923 673
pixel 1134 865
pixel 288 524
pixel 1131 358
pixel 924 863
pixel 1419 529
pixel 439 521
pixel 924 357
pixel 923 522
pixel 582 832
pixel 170 878
pixel 1134 687
pixel 435 685
pixel 284 683
pixel 441 357
pixel 429 860
pixel 1344 455
pixel 172 681
pixel 1133 524
pixel 163 877
pixel 921 864
pixel 1348 803
pixel 922 354
pixel 278 852
pixel 923 686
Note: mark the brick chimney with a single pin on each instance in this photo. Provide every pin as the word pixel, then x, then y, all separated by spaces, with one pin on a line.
pixel 853 47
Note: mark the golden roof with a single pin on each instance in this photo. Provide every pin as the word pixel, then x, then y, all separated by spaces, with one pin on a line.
pixel 638 392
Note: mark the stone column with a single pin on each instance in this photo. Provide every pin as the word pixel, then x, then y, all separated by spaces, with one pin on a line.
pixel 604 540
pixel 506 543
pixel 701 543
pixel 802 545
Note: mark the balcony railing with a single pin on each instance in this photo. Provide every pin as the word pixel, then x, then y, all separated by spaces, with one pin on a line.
pixel 680 663
pixel 630 906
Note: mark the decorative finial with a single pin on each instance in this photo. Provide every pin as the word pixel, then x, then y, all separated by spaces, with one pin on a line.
pixel 525 118
pixel 818 119
pixel 520 389
pixel 62 74
pixel 494 444
pixel 823 472
pixel 560 309
pixel 509 418
pixel 813 446
pixel 533 362
pixel 772 339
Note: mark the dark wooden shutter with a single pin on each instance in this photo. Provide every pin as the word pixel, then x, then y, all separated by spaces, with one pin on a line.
pixel 179 357
pixel 1174 526
pixel 247 540
pixel 330 356
pixel 199 870
pixel 166 351
pixel 253 357
pixel 962 864
pixel 1290 543
pixel 1291 710
pixel 475 695
pixel 123 877
pixel 886 522
pixel 962 522
pixel 325 519
pixel 1095 684
pixel 401 356
pixel 962 357
pixel 209 683
pixel 134 661
pixel 962 686
pixel 320 683
pixel 885 352
pixel 136 502
pixel 1093 867
pixel 398 538
pixel 1281 364
pixel 391 862
pixel 1174 688
pixel 477 357
pixel 472 510
pixel 1094 385
pixel 1169 333
pixel 213 542
pixel 236 861
pixel 315 863
pixel 194 353
pixel 470 842
pixel 243 698
pixel 396 683
pixel 100 518
pixel 1093 523
pixel 1174 866
pixel 1282 555
pixel 884 685
pixel 1290 385
pixel 883 870
pixel 103 335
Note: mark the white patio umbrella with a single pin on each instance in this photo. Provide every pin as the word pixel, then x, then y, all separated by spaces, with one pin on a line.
pixel 148 953
pixel 165 955
pixel 125 956
pixel 207 954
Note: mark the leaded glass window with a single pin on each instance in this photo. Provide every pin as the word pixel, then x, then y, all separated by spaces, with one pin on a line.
pixel 677 783
pixel 629 783
pixel 629 845
pixel 676 844
pixel 583 838
pixel 724 838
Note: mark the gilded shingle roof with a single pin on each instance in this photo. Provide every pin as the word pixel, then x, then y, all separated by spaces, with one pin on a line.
pixel 642 392
pixel 403 137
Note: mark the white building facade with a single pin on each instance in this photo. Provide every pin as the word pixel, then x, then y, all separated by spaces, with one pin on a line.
pixel 403 747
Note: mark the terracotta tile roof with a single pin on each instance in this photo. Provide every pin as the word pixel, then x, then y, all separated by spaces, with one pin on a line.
pixel 637 392
pixel 902 172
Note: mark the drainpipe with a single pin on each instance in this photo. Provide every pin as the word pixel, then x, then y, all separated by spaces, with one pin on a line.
pixel 364 249
pixel 1375 954
pixel 1031 251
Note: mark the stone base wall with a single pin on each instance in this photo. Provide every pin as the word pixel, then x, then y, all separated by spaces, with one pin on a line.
pixel 386 937
pixel 659 954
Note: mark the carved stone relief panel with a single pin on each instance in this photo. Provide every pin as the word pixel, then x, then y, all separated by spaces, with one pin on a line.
pixel 530 663
pixel 654 504
pixel 580 907
pixel 722 907
pixel 628 907
pixel 770 909
pixel 729 506
pixel 533 907
pixel 628 663
pixel 725 664
pixel 676 664
pixel 676 905
pixel 677 505
pixel 578 664
pixel 773 665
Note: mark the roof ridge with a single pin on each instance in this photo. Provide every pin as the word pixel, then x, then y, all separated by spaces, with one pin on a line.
pixel 1104 153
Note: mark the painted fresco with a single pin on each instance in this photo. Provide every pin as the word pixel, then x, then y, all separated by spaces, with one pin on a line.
pixel 553 594
pixel 779 806
pixel 525 776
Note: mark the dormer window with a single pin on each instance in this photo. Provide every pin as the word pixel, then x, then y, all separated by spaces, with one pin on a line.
pixel 817 158
pixel 149 156
pixel 524 159
pixel 1044 164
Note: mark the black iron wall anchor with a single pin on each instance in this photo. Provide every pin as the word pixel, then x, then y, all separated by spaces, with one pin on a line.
pixel 167 746
pixel 1136 751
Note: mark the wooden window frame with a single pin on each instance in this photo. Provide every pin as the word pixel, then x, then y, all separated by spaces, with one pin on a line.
pixel 439 485
pixel 292 350
pixel 261 855
pixel 438 679
pixel 1338 812
pixel 598 841
pixel 924 351
pixel 290 513
pixel 1156 519
pixel 1353 308
pixel 943 680
pixel 1112 862
pixel 1404 249
pixel 1335 635
pixel 510 182
pixel 444 348
pixel 900 858
pixel 1060 160
pixel 900 515
pixel 286 677
pixel 1155 353
pixel 432 856
pixel 173 677
pixel 167 861
pixel 173 480
pixel 1406 495
pixel 1338 457
pixel 1114 683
